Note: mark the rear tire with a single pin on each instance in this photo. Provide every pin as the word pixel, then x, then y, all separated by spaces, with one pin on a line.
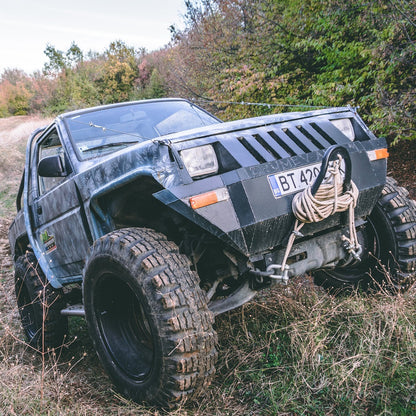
pixel 39 305
pixel 389 246
pixel 148 318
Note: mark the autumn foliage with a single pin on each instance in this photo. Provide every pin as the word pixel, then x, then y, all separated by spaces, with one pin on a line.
pixel 319 52
pixel 282 53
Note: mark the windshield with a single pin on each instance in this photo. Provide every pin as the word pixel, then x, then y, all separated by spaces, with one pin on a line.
pixel 101 131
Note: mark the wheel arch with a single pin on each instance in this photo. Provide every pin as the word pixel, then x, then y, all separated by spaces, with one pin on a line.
pixel 21 246
pixel 130 205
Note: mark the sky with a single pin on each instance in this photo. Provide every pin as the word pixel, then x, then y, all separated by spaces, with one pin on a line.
pixel 27 26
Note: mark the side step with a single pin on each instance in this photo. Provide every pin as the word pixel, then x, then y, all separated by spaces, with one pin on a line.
pixel 74 310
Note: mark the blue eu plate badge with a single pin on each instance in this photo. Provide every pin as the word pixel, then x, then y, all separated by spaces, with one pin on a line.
pixel 274 185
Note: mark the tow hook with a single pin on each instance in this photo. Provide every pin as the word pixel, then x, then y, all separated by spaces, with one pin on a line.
pixel 284 277
pixel 354 251
pixel 272 272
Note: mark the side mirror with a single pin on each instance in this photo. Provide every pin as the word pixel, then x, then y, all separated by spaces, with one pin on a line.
pixel 51 167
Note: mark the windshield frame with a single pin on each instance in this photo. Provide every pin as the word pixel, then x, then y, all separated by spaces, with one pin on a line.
pixel 205 119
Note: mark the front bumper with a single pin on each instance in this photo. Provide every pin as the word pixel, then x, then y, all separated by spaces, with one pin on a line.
pixel 252 220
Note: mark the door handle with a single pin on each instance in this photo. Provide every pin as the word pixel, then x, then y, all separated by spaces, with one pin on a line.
pixel 39 210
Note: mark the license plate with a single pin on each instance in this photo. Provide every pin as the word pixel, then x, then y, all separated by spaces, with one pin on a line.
pixel 295 180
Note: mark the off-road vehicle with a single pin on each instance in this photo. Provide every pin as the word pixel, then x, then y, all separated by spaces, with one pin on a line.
pixel 152 217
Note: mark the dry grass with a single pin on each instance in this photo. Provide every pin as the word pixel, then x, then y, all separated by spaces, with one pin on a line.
pixel 303 351
pixel 294 350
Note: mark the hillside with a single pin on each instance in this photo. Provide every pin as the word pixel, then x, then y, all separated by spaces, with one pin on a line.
pixel 293 350
pixel 14 132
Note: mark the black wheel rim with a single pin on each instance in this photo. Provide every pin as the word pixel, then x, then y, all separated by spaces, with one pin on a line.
pixel 124 327
pixel 371 243
pixel 28 313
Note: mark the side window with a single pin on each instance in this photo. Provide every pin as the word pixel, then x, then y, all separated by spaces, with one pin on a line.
pixel 50 146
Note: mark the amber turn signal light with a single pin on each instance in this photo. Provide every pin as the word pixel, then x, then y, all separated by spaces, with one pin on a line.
pixel 378 154
pixel 209 198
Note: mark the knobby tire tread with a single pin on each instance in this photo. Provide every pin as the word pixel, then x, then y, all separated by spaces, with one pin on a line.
pixel 184 320
pixel 402 213
pixel 399 213
pixel 52 323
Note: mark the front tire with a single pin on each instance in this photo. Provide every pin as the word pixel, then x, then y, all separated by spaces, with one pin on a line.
pixel 148 317
pixel 39 305
pixel 389 246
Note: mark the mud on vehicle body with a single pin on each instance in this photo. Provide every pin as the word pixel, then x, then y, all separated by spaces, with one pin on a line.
pixel 152 217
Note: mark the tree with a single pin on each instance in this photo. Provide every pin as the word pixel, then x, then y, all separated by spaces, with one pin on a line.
pixel 15 93
pixel 320 53
pixel 60 61
pixel 120 70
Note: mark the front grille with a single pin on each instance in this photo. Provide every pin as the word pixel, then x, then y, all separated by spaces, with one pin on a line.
pixel 274 142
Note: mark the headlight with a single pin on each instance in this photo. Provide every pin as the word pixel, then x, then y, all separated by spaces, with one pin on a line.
pixel 345 126
pixel 200 160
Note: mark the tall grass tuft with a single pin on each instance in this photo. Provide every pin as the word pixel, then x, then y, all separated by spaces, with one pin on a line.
pixel 299 350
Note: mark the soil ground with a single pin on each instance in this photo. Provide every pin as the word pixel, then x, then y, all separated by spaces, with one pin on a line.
pixel 402 165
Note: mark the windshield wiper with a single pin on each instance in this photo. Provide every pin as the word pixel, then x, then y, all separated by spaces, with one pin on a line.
pixel 105 129
pixel 105 145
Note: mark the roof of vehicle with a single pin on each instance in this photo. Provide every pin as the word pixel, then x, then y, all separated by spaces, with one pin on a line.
pixel 107 106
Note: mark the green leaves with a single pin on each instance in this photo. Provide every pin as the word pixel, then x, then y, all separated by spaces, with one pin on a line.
pixel 328 52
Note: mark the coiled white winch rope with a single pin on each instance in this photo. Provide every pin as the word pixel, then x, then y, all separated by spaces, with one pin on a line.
pixel 328 199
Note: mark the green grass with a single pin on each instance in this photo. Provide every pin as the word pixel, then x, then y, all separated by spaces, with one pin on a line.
pixel 7 203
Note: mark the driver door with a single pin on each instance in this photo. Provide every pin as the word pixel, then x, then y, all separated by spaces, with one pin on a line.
pixel 58 226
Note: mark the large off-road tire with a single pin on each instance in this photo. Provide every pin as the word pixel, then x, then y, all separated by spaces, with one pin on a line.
pixel 148 318
pixel 389 246
pixel 39 305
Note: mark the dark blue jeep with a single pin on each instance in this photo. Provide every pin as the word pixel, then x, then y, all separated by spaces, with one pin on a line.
pixel 152 217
